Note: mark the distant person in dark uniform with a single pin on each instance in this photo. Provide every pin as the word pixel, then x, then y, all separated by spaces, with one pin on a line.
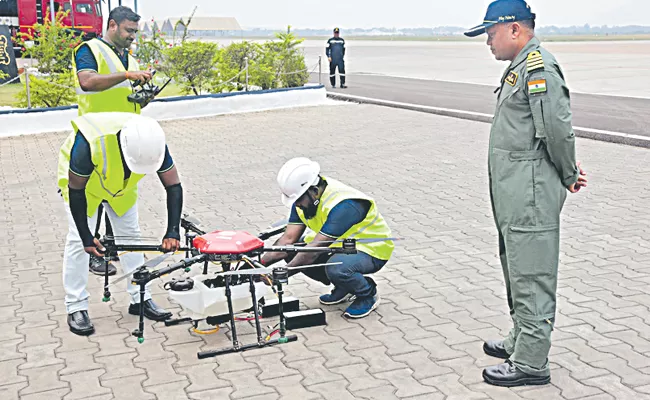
pixel 335 52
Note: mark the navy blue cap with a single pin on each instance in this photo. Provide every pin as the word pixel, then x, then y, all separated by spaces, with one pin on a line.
pixel 336 30
pixel 501 11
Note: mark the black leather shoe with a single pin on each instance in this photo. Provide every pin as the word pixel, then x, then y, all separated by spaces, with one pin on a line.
pixel 97 266
pixel 508 375
pixel 79 323
pixel 495 348
pixel 151 311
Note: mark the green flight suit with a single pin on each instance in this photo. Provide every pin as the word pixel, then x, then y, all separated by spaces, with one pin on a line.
pixel 531 162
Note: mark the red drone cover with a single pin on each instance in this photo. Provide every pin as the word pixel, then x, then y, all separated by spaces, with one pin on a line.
pixel 227 242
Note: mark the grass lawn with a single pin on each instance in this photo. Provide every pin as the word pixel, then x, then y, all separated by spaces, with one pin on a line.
pixel 8 92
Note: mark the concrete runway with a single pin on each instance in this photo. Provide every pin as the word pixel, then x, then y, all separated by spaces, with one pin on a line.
pixel 609 113
pixel 613 68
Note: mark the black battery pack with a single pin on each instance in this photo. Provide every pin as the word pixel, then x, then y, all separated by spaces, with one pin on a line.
pixel 272 306
pixel 304 318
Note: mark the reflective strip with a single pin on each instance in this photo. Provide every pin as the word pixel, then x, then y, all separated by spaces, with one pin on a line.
pixel 125 84
pixel 98 132
pixel 109 60
pixel 103 143
pixel 112 69
pixel 366 227
pixel 101 182
pixel 79 90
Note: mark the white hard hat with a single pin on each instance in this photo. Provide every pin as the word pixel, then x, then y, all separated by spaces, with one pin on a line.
pixel 143 144
pixel 295 177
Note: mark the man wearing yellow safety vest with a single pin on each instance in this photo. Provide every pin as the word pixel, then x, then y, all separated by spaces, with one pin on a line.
pixel 333 211
pixel 103 160
pixel 104 67
pixel 103 71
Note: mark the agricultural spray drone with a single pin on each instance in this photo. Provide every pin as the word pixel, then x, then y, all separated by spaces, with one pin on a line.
pixel 215 298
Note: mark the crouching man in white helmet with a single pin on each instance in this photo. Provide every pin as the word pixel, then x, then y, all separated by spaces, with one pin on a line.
pixel 102 161
pixel 333 211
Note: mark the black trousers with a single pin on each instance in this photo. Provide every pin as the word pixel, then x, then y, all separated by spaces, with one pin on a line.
pixel 341 66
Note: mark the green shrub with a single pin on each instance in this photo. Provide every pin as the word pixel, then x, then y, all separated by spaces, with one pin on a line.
pixel 49 91
pixel 191 65
pixel 53 47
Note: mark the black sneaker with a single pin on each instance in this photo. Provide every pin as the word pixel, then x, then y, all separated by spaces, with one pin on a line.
pixel 97 266
pixel 80 324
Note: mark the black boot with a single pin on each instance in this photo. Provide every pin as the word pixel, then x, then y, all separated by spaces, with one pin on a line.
pixel 495 348
pixel 508 375
pixel 151 311
pixel 79 323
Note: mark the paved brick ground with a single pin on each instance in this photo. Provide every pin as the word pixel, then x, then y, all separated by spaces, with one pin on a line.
pixel 442 294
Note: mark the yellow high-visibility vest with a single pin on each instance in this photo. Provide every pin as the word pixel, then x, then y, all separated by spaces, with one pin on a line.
pixel 107 179
pixel 374 226
pixel 114 98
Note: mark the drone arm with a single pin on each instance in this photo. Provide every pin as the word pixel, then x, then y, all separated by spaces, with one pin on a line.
pixel 181 264
pixel 291 235
pixel 308 257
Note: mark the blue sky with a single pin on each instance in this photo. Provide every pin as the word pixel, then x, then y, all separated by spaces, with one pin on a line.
pixel 398 14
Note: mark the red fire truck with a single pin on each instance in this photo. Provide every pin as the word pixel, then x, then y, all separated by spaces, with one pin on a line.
pixel 85 16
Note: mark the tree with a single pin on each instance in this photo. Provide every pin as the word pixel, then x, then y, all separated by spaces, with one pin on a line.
pixel 191 65
pixel 53 47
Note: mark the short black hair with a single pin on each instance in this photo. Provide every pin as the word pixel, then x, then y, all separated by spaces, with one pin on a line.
pixel 119 14
pixel 528 23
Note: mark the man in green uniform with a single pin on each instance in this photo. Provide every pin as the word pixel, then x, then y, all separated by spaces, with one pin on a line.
pixel 531 165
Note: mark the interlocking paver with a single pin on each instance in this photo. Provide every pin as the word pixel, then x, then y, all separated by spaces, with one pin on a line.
pixel 570 388
pixel 85 384
pixel 169 391
pixel 612 384
pixel 314 372
pixel 442 293
pixel 406 385
pixel 202 377
pixel 246 384
pixel 10 392
pixel 291 388
pixel 577 368
pixel 9 372
pixel 336 354
pixel 43 379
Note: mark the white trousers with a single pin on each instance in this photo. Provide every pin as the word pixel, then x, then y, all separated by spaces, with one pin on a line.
pixel 76 260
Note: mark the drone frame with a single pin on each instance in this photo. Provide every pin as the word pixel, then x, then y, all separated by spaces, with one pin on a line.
pixel 143 275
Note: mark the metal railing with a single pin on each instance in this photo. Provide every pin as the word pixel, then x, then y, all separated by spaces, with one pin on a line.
pixel 245 70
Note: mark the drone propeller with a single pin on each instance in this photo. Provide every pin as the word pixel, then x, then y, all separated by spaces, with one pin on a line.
pixel 191 220
pixel 149 264
pixel 118 237
pixel 266 271
pixel 280 223
pixel 374 240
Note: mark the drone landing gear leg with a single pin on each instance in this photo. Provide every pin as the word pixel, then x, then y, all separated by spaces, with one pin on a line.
pixel 139 333
pixel 107 292
pixel 235 343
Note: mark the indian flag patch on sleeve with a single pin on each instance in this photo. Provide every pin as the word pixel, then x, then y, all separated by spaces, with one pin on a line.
pixel 538 86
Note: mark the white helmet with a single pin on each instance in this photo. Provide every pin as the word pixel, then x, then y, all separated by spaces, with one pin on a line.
pixel 295 177
pixel 143 144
